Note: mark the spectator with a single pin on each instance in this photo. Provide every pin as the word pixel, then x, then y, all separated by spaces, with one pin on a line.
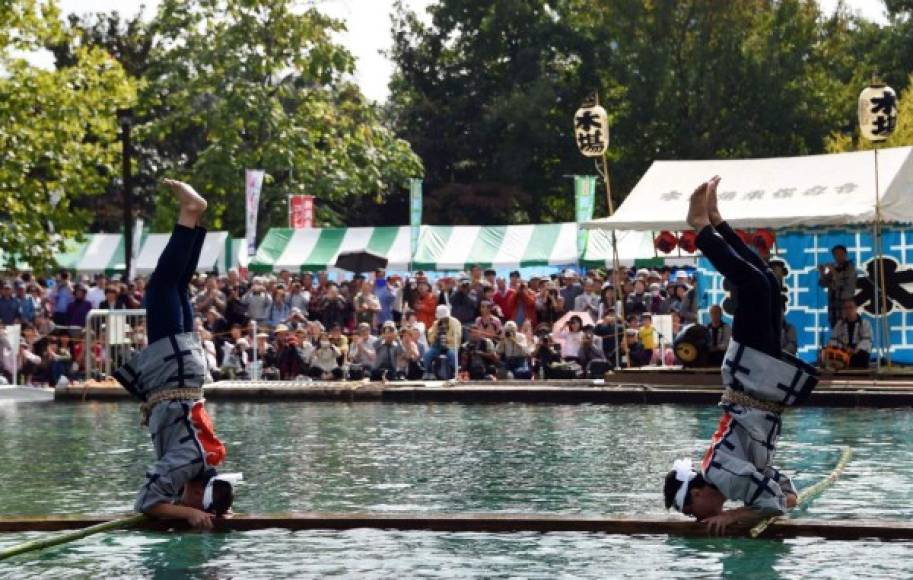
pixel 463 303
pixel 646 335
pixel 588 301
pixel 340 341
pixel 390 355
pixel 549 304
pixel 299 297
pixel 96 293
pixel 112 300
pixel 590 355
pixel 210 297
pixel 479 357
pixel 79 308
pixel 607 300
pixel 367 305
pixel 325 361
pixel 333 310
pixel 854 335
pixel 267 356
pixel 362 354
pixel 444 339
pixel 62 296
pixel 293 357
pixel 569 336
pixel 385 291
pixel 279 309
pixel 413 351
pixel 570 287
pixel 425 304
pixel 235 359
pixel 514 351
pixel 32 305
pixel 720 334
pixel 638 356
pixel 611 333
pixel 839 278
pixel 9 305
pixel 257 302
pixel 486 321
pixel 521 307
pixel 504 296
pixel 639 301
pixel 545 354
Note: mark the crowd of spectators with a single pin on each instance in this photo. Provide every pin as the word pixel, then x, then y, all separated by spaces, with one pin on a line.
pixel 474 325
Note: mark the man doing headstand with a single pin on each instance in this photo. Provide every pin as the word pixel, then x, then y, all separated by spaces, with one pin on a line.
pixel 760 383
pixel 168 376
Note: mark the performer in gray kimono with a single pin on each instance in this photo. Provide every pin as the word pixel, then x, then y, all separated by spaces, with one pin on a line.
pixel 760 383
pixel 168 376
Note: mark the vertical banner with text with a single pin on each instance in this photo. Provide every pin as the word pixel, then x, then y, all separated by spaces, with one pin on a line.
pixel 300 211
pixel 415 213
pixel 253 182
pixel 585 194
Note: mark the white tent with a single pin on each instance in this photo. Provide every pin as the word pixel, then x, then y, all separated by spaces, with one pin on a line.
pixel 216 250
pixel 781 192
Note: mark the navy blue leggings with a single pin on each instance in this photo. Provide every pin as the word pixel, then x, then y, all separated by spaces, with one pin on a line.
pixel 168 309
pixel 757 321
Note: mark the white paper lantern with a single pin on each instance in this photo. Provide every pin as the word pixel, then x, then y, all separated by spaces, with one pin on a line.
pixel 877 112
pixel 591 130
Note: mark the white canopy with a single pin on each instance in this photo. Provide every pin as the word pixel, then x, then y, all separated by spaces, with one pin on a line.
pixel 780 192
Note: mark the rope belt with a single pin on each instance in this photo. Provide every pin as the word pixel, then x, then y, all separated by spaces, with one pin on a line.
pixel 186 394
pixel 733 397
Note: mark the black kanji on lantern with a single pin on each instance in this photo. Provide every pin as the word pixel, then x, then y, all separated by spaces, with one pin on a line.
pixel 590 141
pixel 587 120
pixel 884 125
pixel 884 104
pixel 894 278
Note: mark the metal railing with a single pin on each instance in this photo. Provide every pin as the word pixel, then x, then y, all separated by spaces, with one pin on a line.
pixel 112 336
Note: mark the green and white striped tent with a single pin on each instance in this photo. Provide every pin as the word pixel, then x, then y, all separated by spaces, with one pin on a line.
pixel 105 253
pixel 216 255
pixel 450 248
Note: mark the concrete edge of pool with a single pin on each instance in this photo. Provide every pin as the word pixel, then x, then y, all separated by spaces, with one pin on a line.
pixel 474 522
pixel 842 394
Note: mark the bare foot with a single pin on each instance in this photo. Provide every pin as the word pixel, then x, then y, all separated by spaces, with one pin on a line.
pixel 697 210
pixel 192 203
pixel 713 209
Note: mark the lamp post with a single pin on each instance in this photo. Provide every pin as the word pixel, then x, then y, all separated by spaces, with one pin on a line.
pixel 877 110
pixel 125 120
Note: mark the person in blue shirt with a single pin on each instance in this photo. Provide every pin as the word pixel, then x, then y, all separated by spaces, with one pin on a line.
pixel 386 296
pixel 10 310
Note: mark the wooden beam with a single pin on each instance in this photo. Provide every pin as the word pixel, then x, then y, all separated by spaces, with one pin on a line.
pixel 467 522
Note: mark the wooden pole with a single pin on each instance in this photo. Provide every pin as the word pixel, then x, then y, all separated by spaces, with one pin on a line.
pixel 883 321
pixel 812 492
pixel 43 543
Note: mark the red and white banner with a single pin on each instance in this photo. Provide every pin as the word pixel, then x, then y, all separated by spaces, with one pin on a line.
pixel 300 211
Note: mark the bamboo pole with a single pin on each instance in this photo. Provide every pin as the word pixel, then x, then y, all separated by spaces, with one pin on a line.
pixel 43 543
pixel 812 492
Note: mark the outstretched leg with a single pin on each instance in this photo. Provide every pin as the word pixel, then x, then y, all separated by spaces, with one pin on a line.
pixel 167 302
pixel 751 324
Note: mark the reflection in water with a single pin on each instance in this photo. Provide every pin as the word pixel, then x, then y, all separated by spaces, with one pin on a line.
pixel 517 458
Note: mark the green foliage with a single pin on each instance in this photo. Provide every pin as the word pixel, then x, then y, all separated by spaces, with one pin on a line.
pixel 486 91
pixel 903 135
pixel 237 85
pixel 59 137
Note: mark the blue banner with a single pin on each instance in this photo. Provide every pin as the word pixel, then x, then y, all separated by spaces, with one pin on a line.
pixel 802 252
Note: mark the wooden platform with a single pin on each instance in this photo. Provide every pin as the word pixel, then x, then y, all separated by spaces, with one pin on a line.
pixel 467 522
pixel 622 389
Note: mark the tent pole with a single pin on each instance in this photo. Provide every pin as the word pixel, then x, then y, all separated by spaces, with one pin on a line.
pixel 882 320
pixel 616 265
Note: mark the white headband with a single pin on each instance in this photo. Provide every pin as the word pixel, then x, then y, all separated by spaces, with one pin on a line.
pixel 229 478
pixel 684 472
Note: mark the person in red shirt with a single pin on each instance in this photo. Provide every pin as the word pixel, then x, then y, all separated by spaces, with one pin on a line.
pixel 503 297
pixel 425 304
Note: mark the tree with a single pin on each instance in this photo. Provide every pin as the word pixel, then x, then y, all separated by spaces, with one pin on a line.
pixel 486 95
pixel 840 142
pixel 59 141
pixel 236 85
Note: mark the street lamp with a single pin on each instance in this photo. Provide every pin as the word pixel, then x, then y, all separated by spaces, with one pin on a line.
pixel 125 120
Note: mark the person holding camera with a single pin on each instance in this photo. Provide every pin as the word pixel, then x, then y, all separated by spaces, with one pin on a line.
pixel 389 355
pixel 839 278
pixel 514 351
pixel 444 336
pixel 257 301
pixel 479 357
pixel 549 304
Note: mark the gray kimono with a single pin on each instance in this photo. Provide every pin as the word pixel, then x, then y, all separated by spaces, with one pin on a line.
pixel 181 431
pixel 740 459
